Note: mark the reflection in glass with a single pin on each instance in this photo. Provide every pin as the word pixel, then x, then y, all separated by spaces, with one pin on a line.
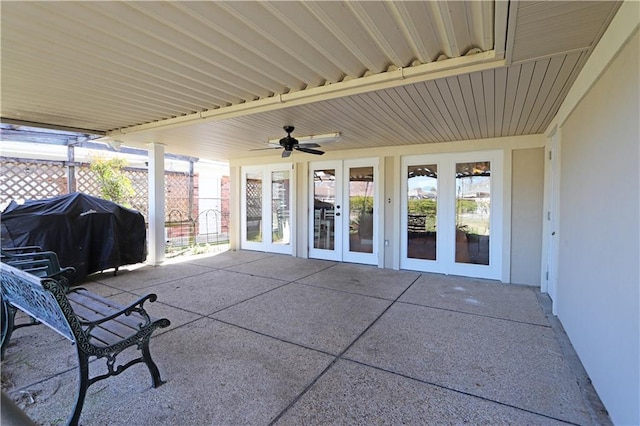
pixel 473 211
pixel 253 202
pixel 361 209
pixel 324 199
pixel 422 206
pixel 280 217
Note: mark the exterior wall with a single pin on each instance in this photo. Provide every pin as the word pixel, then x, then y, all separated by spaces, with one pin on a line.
pixel 391 224
pixel 598 277
pixel 526 210
pixel 526 246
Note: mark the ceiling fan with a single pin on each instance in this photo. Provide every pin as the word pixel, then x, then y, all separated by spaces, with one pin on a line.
pixel 289 143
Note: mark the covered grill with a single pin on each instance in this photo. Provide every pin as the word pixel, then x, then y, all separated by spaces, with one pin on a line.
pixel 88 233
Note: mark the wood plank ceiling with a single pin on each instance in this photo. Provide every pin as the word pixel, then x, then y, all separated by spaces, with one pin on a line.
pixel 217 79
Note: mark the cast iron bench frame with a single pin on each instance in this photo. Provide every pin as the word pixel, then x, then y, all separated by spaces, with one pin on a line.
pixel 97 326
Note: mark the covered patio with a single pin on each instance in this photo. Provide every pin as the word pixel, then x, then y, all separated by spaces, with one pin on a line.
pixel 261 338
pixel 543 92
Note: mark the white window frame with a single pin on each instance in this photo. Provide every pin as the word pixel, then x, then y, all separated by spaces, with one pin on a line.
pixel 445 248
pixel 267 244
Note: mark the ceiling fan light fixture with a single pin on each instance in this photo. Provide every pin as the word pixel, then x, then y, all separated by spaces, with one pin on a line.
pixel 327 137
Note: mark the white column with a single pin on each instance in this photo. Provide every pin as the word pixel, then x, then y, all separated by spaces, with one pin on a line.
pixel 235 180
pixel 156 204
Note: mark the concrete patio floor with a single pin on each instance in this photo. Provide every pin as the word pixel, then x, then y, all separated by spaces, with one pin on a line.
pixel 260 339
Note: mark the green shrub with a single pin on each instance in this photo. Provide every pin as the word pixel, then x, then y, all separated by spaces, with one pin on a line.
pixel 114 184
pixel 466 206
pixel 426 207
pixel 360 203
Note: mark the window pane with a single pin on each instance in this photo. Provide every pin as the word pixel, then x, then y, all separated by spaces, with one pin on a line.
pixel 361 209
pixel 254 206
pixel 280 217
pixel 422 209
pixel 473 211
pixel 324 195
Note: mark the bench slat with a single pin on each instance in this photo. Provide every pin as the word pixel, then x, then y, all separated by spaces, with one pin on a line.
pixel 102 337
pixel 102 307
pixel 116 328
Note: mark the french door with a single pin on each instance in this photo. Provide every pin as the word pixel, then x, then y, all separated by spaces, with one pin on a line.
pixel 266 208
pixel 343 210
pixel 452 214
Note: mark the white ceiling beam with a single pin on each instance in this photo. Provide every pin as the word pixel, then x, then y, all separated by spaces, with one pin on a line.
pixel 377 34
pixel 405 21
pixel 34 124
pixel 401 76
pixel 446 28
pixel 316 8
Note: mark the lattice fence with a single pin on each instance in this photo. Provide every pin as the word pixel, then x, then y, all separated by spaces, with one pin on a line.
pixel 177 189
pixel 22 179
pixel 87 182
pixel 35 179
pixel 254 198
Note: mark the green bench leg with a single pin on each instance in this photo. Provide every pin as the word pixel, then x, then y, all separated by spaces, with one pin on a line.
pixel 151 365
pixel 83 384
pixel 7 313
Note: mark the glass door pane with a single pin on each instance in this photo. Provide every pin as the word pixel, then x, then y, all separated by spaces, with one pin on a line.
pixel 253 202
pixel 422 206
pixel 473 212
pixel 451 219
pixel 280 212
pixel 342 223
pixel 361 202
pixel 324 204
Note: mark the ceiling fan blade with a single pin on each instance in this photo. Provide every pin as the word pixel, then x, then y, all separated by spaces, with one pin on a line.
pixel 308 150
pixel 264 149
pixel 309 145
pixel 286 153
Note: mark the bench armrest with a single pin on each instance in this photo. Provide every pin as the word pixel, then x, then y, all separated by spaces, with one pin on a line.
pixel 136 306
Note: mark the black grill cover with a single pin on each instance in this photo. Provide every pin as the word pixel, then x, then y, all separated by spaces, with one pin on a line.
pixel 88 233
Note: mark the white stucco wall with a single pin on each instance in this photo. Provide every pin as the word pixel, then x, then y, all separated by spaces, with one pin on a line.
pixel 526 215
pixel 598 293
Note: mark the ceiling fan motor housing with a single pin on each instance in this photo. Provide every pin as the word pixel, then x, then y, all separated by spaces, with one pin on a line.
pixel 290 143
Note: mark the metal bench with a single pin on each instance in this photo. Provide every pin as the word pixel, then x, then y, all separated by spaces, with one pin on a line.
pixel 97 326
pixel 36 261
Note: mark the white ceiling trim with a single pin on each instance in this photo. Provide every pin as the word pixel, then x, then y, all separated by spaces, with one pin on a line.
pixel 400 77
pixel 501 14
pixel 512 18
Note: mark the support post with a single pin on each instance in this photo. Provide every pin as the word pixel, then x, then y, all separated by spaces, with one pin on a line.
pixel 192 219
pixel 191 190
pixel 234 207
pixel 156 204
pixel 71 169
